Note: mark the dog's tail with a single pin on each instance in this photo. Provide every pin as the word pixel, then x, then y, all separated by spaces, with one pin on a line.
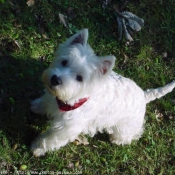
pixel 152 94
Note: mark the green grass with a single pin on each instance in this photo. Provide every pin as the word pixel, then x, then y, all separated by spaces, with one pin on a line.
pixel 28 38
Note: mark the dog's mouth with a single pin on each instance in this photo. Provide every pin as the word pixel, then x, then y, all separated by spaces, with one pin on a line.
pixel 63 106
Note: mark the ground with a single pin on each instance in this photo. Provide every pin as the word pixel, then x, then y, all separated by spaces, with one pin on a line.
pixel 30 34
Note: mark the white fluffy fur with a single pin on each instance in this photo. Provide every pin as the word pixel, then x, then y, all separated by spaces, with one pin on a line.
pixel 115 104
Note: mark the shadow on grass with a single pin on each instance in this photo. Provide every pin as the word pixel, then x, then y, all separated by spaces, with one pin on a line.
pixel 20 83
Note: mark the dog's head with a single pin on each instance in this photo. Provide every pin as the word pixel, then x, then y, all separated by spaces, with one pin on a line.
pixel 76 71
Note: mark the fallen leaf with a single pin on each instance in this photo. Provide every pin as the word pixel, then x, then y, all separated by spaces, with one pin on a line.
pixel 14 146
pixel 120 27
pixel 126 58
pixel 63 20
pixel 81 140
pixel 44 36
pixel 134 21
pixel 95 146
pixel 77 163
pixel 17 43
pixel 71 165
pixel 164 55
pixel 170 117
pixel 128 23
pixel 30 2
pixel 127 35
pixel 159 116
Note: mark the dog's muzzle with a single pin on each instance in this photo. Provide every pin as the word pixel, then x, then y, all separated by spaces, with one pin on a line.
pixel 55 80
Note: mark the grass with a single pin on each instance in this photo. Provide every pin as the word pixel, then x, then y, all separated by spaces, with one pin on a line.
pixel 28 38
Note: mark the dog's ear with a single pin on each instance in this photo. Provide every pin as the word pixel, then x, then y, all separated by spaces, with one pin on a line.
pixel 106 65
pixel 80 37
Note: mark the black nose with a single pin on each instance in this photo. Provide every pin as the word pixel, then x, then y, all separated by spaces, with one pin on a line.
pixel 55 81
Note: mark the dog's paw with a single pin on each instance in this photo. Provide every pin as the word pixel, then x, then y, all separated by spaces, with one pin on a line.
pixel 37 150
pixel 37 107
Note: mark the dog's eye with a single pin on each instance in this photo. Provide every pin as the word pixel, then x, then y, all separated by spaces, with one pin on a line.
pixel 64 63
pixel 79 78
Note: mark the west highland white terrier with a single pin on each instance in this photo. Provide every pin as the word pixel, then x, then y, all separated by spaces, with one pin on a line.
pixel 84 96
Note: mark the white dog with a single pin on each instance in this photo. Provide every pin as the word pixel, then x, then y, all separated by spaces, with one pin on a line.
pixel 84 96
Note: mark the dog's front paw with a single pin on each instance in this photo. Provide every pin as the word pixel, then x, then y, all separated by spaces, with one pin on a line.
pixel 37 107
pixel 38 152
pixel 37 149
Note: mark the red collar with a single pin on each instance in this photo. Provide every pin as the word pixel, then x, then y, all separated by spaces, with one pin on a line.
pixel 66 107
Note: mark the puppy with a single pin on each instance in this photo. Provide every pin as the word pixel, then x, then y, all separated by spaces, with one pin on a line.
pixel 84 96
